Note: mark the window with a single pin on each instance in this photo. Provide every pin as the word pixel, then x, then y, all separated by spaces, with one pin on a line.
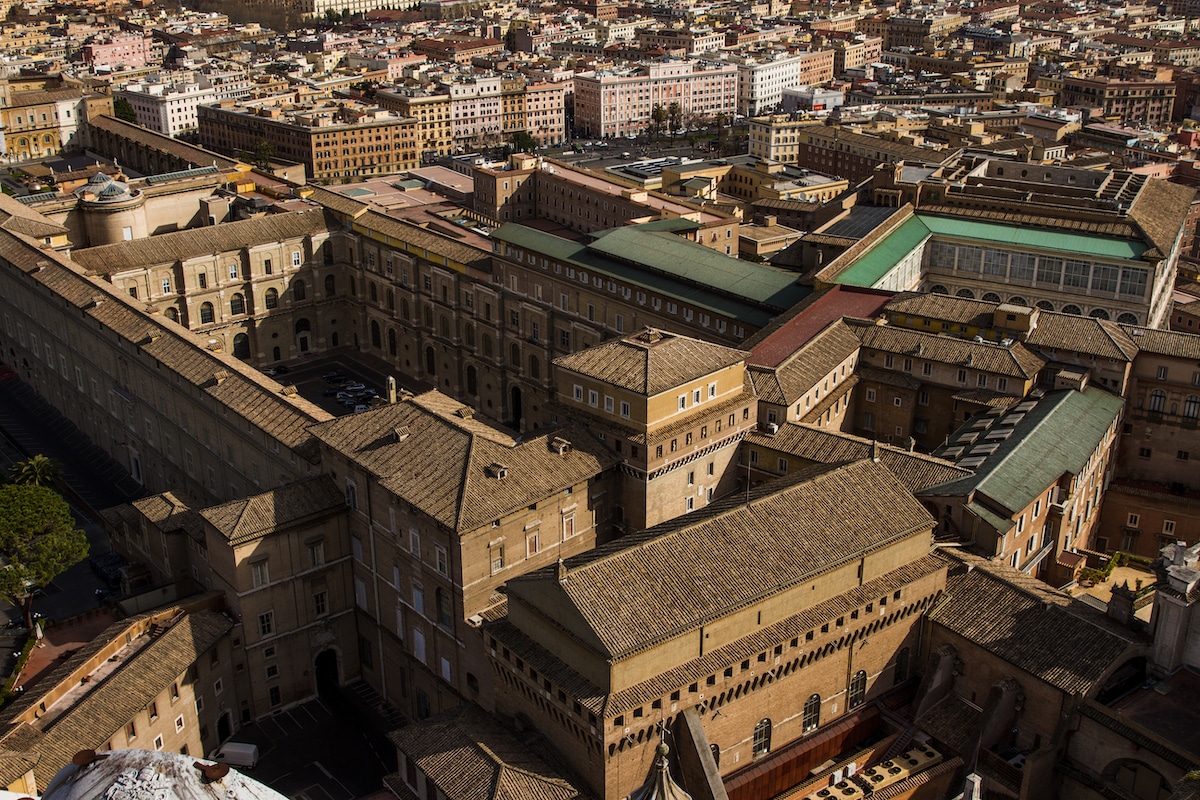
pixel 166 285
pixel 1168 526
pixel 275 695
pixel 266 623
pixel 624 409
pixel 418 640
pixel 1162 373
pixel 762 738
pixel 295 258
pixel 206 313
pixel 1191 406
pixel 179 723
pixel 442 560
pixel 233 271
pixel 316 553
pixel 1132 520
pixel 158 742
pixel 812 713
pixel 130 731
pixel 1182 455
pixel 870 395
pixel 298 291
pixel 414 543
pixel 272 299
pixel 1158 399
pixel 321 604
pixel 260 573
pixel 568 525
pixel 152 710
pixel 356 548
pixel 578 393
pixel 900 673
pixel 497 558
pixel 533 543
pixel 858 689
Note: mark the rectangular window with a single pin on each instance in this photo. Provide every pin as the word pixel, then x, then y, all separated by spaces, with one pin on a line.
pixel 179 723
pixel 593 398
pixel 295 258
pixel 316 553
pixel 624 409
pixel 442 559
pixel 418 640
pixel 608 404
pixel 578 393
pixel 166 285
pixel 260 573
pixel 266 623
pixel 533 543
pixel 321 603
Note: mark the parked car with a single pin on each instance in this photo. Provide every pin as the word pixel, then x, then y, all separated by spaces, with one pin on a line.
pixel 361 407
pixel 334 377
pixel 272 372
pixel 353 387
pixel 332 391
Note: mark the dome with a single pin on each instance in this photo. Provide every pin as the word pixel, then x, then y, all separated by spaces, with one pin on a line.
pixel 99 179
pixel 113 191
pixel 151 775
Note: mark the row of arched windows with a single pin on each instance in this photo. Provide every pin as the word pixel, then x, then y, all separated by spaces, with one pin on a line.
pixel 1191 406
pixel 1125 318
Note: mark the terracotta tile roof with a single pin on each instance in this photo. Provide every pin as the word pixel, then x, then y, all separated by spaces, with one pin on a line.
pixel 822 446
pixel 1159 210
pixel 470 756
pixel 651 361
pixel 20 218
pixel 1013 361
pixel 169 513
pixel 887 377
pixel 190 154
pixel 443 463
pixel 251 518
pixel 436 244
pixel 546 663
pixel 168 248
pixel 943 307
pixel 120 696
pixel 863 501
pixel 953 721
pixel 336 201
pixel 804 369
pixel 1087 335
pixel 1165 343
pixel 1028 624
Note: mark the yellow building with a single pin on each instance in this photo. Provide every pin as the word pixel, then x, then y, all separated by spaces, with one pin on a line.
pixel 434 130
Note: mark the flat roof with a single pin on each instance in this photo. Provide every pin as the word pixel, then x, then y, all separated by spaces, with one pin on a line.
pixel 1099 246
pixel 888 252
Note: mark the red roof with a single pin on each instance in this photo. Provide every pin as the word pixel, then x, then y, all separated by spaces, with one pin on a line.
pixel 838 302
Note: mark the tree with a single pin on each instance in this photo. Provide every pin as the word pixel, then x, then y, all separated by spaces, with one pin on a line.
pixel 657 117
pixel 37 470
pixel 522 142
pixel 264 151
pixel 38 542
pixel 123 110
pixel 675 115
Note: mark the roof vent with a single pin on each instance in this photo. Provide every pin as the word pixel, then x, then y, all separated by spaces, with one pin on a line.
pixel 496 471
pixel 289 390
pixel 560 445
pixel 649 336
pixel 401 433
pixel 220 375
pixel 214 345
pixel 466 412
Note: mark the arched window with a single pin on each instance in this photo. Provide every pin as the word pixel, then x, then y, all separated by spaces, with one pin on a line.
pixel 391 300
pixel 900 674
pixel 937 288
pixel 1191 406
pixel 991 297
pixel 472 380
pixel 1158 399
pixel 762 738
pixel 272 299
pixel 1018 301
pixel 469 334
pixel 303 326
pixel 373 292
pixel 241 346
pixel 535 368
pixel 206 313
pixel 967 293
pixel 327 252
pixel 298 290
pixel 514 355
pixel 172 314
pixel 430 361
pixel 1045 305
pixel 391 341
pixel 330 285
pixel 1099 313
pixel 1127 319
pixel 858 689
pixel 1072 309
pixel 443 608
pixel 444 325
pixel 428 317
pixel 353 291
pixel 812 713
pixel 487 346
pixel 376 338
pixel 237 304
pixel 404 308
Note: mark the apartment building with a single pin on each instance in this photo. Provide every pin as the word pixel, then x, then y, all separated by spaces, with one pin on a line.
pixel 1142 102
pixel 128 50
pixel 46 121
pixel 761 83
pixel 810 144
pixel 620 102
pixel 335 141
pixel 435 121
pixel 912 31
pixel 545 112
pixel 691 40
pixel 169 107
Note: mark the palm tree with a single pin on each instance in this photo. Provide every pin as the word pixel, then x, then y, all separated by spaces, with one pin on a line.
pixel 37 470
pixel 675 115
pixel 657 117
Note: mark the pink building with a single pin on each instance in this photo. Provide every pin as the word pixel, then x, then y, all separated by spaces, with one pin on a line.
pixel 123 49
pixel 620 102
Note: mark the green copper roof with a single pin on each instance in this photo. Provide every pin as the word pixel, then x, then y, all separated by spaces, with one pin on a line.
pixel 1038 238
pixel 1058 435
pixel 879 260
pixel 665 263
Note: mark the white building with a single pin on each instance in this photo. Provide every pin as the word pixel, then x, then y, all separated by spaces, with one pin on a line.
pixel 761 83
pixel 170 107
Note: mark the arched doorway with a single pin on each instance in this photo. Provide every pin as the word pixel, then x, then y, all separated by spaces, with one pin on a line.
pixel 275 353
pixel 241 346
pixel 326 670
pixel 516 407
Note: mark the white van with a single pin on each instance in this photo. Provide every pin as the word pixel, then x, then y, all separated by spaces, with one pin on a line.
pixel 236 754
